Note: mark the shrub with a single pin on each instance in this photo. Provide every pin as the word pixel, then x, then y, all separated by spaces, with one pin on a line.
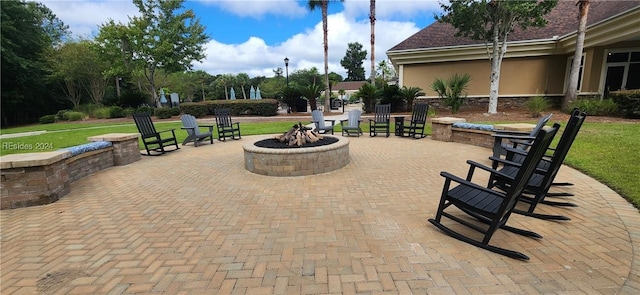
pixel 289 97
pixel 628 102
pixel 62 115
pixel 197 110
pixel 116 112
pixel 536 105
pixel 102 113
pixel 145 109
pixel 596 107
pixel 128 112
pixel 391 95
pixel 410 94
pixel 75 116
pixel 452 90
pixel 47 119
pixel 88 108
pixel 163 113
pixel 369 95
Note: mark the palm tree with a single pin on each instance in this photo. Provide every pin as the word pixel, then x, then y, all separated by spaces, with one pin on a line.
pixel 372 20
pixel 410 94
pixel 324 6
pixel 572 89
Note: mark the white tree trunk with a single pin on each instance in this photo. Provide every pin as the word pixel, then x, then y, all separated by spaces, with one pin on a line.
pixel 572 90
pixel 496 63
pixel 372 20
pixel 327 94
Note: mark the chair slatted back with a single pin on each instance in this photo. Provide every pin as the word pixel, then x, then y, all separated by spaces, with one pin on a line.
pixel 383 113
pixel 318 118
pixel 562 149
pixel 145 125
pixel 543 121
pixel 419 114
pixel 223 117
pixel 537 151
pixel 189 122
pixel 353 119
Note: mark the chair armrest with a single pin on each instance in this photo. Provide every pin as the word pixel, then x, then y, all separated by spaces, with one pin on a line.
pixel 462 181
pixel 172 130
pixel 473 165
pixel 511 132
pixel 513 137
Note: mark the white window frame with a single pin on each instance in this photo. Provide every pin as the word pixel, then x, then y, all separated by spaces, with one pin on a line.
pixel 568 72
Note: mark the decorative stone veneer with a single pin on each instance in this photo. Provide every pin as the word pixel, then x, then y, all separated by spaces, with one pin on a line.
pixel 441 128
pixel 32 179
pixel 296 161
pixel 473 137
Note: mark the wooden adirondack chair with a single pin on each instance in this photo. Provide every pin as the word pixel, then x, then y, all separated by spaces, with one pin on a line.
pixel 380 120
pixel 152 139
pixel 226 128
pixel 190 124
pixel 418 121
pixel 322 125
pixel 491 207
pixel 351 126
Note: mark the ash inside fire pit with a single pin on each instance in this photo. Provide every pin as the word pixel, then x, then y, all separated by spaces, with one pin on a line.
pixel 273 143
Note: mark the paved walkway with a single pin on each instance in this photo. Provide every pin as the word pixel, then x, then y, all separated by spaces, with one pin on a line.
pixel 196 222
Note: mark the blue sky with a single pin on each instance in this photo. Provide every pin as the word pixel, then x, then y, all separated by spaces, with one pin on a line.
pixel 254 36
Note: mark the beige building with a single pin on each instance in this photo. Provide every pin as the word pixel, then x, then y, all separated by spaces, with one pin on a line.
pixel 537 61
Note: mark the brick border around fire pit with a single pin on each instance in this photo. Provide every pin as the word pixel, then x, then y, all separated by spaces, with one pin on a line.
pixel 296 161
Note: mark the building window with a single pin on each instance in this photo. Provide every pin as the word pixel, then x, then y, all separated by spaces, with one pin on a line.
pixel 568 71
pixel 622 70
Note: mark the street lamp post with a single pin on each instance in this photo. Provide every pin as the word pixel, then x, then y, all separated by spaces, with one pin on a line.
pixel 286 66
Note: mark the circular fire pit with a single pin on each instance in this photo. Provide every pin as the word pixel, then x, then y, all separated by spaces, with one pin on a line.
pixel 296 161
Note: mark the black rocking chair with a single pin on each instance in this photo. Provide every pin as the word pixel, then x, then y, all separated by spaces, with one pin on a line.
pixel 152 139
pixel 226 128
pixel 418 121
pixel 491 207
pixel 380 120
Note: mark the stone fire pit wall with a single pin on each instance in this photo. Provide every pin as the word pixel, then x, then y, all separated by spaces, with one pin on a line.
pixel 296 161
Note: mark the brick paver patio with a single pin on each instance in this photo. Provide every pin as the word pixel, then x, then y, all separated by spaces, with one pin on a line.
pixel 196 222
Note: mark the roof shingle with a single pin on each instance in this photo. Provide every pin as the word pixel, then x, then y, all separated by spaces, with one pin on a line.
pixel 562 20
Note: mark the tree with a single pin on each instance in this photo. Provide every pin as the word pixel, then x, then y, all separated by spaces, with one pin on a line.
pixel 369 95
pixel 324 7
pixel 28 35
pixel 372 20
pixel 572 90
pixel 225 81
pixel 352 62
pixel 165 36
pixel 492 21
pixel 242 79
pixel 306 77
pixel 385 70
pixel 311 92
pixel 410 94
pixel 451 90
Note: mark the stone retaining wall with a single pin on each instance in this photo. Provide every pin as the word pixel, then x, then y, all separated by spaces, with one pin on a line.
pixel 32 179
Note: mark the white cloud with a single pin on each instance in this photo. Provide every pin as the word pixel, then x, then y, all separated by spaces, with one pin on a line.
pixel 84 17
pixel 259 8
pixel 305 50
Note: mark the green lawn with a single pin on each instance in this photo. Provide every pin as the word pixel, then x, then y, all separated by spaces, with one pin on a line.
pixel 609 152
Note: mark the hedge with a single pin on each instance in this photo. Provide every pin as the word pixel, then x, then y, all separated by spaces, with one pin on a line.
pixel 628 102
pixel 238 107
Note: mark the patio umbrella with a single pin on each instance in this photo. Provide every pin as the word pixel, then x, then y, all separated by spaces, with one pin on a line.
pixel 163 99
pixel 232 93
pixel 252 93
pixel 258 96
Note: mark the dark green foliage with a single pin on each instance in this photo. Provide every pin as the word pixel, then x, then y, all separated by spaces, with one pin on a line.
pixel 628 102
pixel 536 105
pixel 452 90
pixel 391 94
pixel 63 115
pixel 289 96
pixel 116 112
pixel 596 107
pixel 145 109
pixel 47 119
pixel 352 62
pixel 409 94
pixel 311 93
pixel 133 99
pixel 164 113
pixel 75 116
pixel 197 110
pixel 238 107
pixel 369 95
